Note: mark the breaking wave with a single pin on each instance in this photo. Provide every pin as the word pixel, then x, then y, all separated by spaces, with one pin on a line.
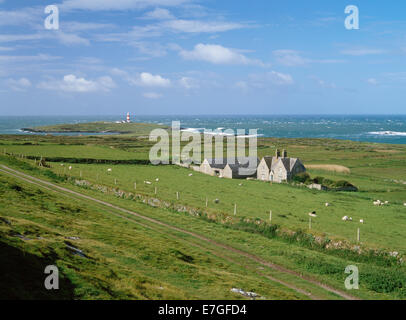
pixel 388 133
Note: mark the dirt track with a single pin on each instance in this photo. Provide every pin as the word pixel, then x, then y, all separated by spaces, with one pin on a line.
pixel 66 191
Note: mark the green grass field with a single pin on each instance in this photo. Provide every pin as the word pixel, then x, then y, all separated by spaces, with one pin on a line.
pixel 378 171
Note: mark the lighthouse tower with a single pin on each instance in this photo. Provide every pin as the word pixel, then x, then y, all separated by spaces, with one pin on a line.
pixel 128 117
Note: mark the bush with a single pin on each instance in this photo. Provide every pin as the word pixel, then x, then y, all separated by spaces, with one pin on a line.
pixel 384 281
pixel 318 180
pixel 302 177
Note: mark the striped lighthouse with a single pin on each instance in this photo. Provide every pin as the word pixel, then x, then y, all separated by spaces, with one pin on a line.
pixel 128 117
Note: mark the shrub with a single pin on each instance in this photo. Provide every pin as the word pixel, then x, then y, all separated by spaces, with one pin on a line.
pixel 302 177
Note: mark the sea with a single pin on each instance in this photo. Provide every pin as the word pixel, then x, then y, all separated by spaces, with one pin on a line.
pixel 370 128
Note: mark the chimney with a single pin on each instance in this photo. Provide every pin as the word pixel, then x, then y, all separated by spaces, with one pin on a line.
pixel 277 154
pixel 284 154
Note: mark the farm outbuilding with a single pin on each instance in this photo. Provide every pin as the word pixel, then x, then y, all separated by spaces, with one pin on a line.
pixel 279 168
pixel 230 168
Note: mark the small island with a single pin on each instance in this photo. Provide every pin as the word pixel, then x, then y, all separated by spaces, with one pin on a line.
pixel 134 129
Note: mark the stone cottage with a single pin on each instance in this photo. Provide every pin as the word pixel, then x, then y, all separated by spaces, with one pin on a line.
pixel 279 168
pixel 230 168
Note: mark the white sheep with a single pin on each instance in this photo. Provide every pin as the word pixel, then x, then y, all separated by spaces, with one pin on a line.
pixel 70 167
pixel 327 204
pixel 190 174
pixel 157 179
pixel 147 182
pixel 109 170
pixel 362 221
pixel 377 203
pixel 404 204
pixel 386 202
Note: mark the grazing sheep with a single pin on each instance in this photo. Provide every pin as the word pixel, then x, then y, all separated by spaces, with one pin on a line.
pixel 350 219
pixel 190 174
pixel 109 170
pixel 346 218
pixel 70 167
pixel 147 182
pixel 386 202
pixel 362 221
pixel 313 214
pixel 327 204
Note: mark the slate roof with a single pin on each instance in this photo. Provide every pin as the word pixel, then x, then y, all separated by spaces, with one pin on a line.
pixel 235 165
pixel 288 163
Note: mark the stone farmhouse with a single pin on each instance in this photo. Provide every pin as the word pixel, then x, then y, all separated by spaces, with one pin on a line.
pixel 279 168
pixel 225 168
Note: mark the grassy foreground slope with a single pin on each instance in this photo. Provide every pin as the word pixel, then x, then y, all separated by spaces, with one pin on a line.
pixel 121 259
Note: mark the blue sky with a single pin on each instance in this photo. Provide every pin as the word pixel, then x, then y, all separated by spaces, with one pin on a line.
pixel 202 57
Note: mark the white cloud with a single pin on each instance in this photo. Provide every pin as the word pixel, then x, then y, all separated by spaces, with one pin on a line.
pixel 19 85
pixel 71 83
pixel 322 83
pixel 243 86
pixel 149 80
pixel 64 38
pixel 6 49
pixel 372 81
pixel 289 58
pixel 292 58
pixel 280 78
pixel 38 57
pixel 264 80
pixel 23 16
pixel 74 26
pixel 362 52
pixel 99 5
pixel 152 95
pixel 188 83
pixel 159 14
pixel 218 54
pixel 70 39
pixel 20 37
pixel 196 26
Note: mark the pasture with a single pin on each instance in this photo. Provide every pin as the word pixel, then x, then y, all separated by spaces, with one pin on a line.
pixel 378 171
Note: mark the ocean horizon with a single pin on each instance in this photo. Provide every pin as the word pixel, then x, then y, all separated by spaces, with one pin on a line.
pixel 368 128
